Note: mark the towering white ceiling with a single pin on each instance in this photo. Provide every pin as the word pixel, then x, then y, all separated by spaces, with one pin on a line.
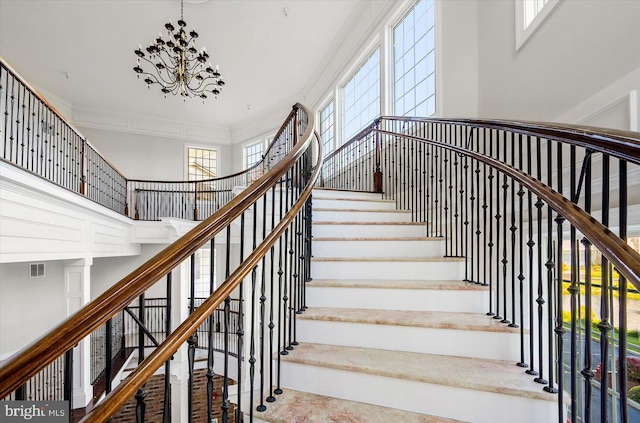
pixel 266 56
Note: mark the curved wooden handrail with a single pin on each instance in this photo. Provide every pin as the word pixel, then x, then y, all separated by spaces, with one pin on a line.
pixel 620 254
pixel 620 144
pixel 179 336
pixel 33 358
pixel 360 134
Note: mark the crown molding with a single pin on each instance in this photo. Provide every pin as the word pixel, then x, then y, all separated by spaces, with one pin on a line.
pixel 145 125
pixel 354 36
pixel 267 121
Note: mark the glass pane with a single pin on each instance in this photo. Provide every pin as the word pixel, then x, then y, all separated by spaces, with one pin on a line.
pixel 414 59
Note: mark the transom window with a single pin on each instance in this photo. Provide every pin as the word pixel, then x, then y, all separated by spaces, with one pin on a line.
pixel 414 60
pixel 362 96
pixel 201 163
pixel 327 130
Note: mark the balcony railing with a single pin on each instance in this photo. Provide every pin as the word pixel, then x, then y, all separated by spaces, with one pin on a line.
pixel 273 251
pixel 37 138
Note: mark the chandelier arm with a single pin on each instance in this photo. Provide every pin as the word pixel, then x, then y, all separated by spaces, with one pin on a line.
pixel 175 68
pixel 170 62
pixel 193 65
pixel 200 85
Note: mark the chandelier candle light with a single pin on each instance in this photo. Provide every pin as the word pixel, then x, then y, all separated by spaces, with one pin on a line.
pixel 179 68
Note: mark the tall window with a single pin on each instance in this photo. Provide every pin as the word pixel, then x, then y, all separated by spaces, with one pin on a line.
pixel 253 154
pixel 531 9
pixel 201 163
pixel 414 60
pixel 529 16
pixel 362 96
pixel 327 126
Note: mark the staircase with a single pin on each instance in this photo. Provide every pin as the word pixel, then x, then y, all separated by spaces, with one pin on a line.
pixel 393 334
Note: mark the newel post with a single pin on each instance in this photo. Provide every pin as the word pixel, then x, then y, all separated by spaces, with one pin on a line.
pixel 377 174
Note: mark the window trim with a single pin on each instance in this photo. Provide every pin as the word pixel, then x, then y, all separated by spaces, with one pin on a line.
pixel 320 110
pixel 390 71
pixel 376 45
pixel 522 33
pixel 247 145
pixel 200 147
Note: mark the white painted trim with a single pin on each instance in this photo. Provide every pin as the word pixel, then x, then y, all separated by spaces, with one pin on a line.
pixel 261 140
pixel 185 161
pixel 367 8
pixel 268 121
pixel 439 61
pixel 319 119
pixel 351 71
pixel 145 125
pixel 522 33
pixel 631 98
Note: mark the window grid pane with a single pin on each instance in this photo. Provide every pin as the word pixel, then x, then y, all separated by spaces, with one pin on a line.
pixel 362 96
pixel 202 163
pixel 414 61
pixel 327 133
pixel 253 154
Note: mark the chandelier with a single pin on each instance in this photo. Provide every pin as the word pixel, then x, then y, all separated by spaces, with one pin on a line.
pixel 177 66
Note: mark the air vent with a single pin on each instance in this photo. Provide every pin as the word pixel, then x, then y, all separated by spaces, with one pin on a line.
pixel 36 270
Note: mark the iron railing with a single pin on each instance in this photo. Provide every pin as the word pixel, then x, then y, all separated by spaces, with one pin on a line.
pixel 37 138
pixel 525 205
pixel 106 342
pixel 259 243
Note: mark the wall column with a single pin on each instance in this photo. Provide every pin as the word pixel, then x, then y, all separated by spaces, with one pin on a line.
pixel 77 279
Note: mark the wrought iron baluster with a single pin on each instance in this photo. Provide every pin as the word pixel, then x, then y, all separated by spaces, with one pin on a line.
pixel 227 309
pixel 240 328
pixel 521 246
pixel 272 298
pixel 166 405
pixel 505 262
pixel 531 243
pixel 622 289
pixel 605 326
pixel 490 217
pixel 540 299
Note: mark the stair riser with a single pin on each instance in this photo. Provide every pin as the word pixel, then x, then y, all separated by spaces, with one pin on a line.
pixel 345 248
pixel 353 204
pixel 491 345
pixel 388 270
pixel 472 301
pixel 358 231
pixel 360 216
pixel 435 399
pixel 321 193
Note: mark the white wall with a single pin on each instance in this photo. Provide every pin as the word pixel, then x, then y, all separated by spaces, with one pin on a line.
pixel 581 48
pixel 139 156
pixel 108 270
pixel 458 55
pixel 29 307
